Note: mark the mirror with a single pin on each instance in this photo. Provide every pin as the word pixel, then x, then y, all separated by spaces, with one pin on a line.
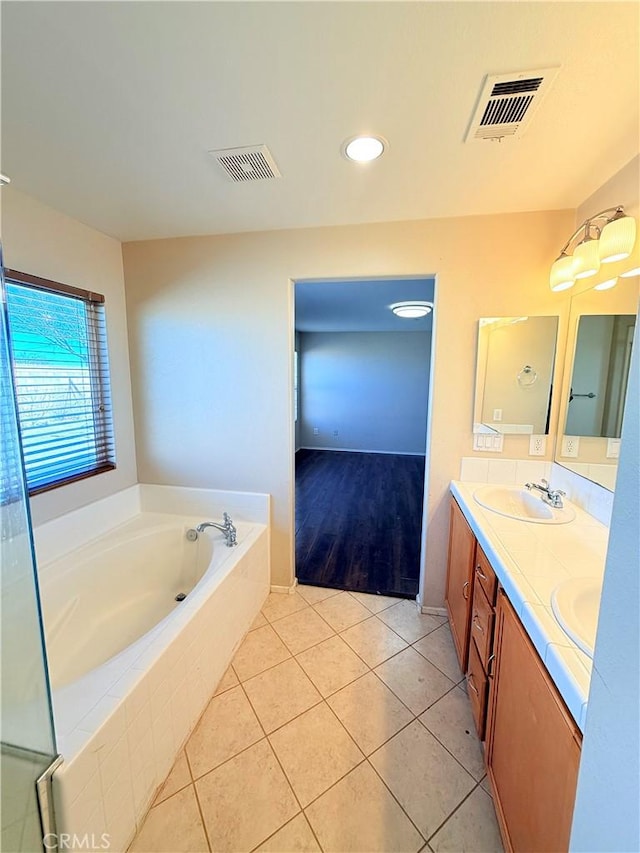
pixel 601 333
pixel 514 374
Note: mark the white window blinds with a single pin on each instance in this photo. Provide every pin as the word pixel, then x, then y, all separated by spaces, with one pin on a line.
pixel 60 363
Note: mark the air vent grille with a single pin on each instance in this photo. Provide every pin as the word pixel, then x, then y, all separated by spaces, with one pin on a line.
pixel 507 102
pixel 250 163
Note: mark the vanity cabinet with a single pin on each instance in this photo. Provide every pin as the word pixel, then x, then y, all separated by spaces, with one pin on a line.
pixel 533 745
pixel 460 576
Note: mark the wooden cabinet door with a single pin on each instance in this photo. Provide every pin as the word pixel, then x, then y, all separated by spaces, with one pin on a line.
pixel 462 549
pixel 533 744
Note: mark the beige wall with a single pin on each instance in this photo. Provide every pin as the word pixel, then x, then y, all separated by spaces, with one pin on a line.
pixel 39 240
pixel 211 330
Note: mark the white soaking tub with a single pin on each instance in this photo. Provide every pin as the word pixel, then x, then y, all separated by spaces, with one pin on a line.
pixel 131 667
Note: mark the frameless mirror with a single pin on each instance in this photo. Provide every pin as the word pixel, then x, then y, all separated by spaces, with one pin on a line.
pixel 514 373
pixel 601 333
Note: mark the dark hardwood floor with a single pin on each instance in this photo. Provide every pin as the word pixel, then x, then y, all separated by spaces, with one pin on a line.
pixel 358 521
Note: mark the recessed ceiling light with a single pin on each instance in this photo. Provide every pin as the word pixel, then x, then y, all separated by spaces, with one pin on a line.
pixel 411 309
pixel 363 149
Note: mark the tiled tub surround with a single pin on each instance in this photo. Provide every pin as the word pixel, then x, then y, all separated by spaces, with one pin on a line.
pixel 530 560
pixel 120 725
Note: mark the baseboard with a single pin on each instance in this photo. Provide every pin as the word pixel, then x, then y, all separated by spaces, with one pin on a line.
pixel 284 590
pixel 433 611
pixel 358 450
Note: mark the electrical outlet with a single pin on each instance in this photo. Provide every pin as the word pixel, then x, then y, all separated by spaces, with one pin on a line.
pixel 537 445
pixel 316 431
pixel 497 414
pixel 570 446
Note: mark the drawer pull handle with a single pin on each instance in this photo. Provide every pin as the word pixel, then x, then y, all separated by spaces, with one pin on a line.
pixel 480 573
pixel 489 663
pixel 471 684
pixel 464 592
pixel 476 624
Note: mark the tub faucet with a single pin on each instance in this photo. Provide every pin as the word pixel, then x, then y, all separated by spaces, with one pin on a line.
pixel 227 528
pixel 553 497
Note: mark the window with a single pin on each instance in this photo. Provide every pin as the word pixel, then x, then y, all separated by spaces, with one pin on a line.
pixel 60 362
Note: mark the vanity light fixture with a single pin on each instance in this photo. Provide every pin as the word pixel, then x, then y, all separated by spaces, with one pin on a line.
pixel 606 237
pixel 630 273
pixel 411 310
pixel 606 285
pixel 363 149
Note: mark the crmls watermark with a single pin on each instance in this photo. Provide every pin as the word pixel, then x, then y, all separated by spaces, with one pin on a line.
pixel 72 841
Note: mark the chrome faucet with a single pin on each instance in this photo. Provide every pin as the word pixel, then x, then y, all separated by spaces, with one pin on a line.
pixel 553 497
pixel 227 528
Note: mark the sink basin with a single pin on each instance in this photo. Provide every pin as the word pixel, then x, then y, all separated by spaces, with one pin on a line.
pixel 576 604
pixel 522 505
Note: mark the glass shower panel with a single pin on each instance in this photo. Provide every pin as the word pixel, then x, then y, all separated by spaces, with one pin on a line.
pixel 26 723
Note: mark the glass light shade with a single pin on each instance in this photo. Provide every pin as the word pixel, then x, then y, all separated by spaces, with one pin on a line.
pixel 411 309
pixel 562 276
pixel 587 258
pixel 617 239
pixel 362 149
pixel 606 285
pixel 630 273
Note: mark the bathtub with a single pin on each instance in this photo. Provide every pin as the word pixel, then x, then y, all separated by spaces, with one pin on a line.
pixel 131 667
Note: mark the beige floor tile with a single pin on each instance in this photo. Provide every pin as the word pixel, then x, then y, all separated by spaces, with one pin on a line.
pixel 245 800
pixel 258 622
pixel 405 619
pixel 373 641
pixel 228 726
pixel 439 649
pixel 414 680
pixel 451 721
pixel 280 604
pixel 341 611
pixel 280 694
pixel 426 780
pixel 179 777
pixel 315 751
pixel 228 680
pixel 369 711
pixel 173 826
pixel 294 837
pixel 374 603
pixel 472 829
pixel 302 630
pixel 331 665
pixel 259 650
pixel 486 785
pixel 314 594
pixel 359 814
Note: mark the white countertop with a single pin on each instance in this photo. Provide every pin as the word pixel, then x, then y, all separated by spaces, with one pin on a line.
pixel 530 560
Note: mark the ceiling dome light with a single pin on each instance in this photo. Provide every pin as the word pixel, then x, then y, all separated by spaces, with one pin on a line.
pixel 617 238
pixel 363 149
pixel 606 285
pixel 411 310
pixel 562 275
pixel 586 257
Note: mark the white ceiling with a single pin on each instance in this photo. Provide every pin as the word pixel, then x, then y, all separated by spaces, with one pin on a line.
pixel 360 305
pixel 109 109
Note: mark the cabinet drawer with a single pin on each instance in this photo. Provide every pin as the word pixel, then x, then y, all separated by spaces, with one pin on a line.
pixel 477 684
pixel 482 619
pixel 485 576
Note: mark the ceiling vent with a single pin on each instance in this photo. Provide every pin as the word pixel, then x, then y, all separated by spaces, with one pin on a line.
pixel 251 163
pixel 507 103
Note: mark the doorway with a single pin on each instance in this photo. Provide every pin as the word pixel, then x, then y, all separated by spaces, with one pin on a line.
pixel 361 399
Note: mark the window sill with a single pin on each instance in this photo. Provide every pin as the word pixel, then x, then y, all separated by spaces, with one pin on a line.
pixel 73 478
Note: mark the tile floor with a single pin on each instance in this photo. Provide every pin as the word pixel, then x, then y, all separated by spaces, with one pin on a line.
pixel 341 725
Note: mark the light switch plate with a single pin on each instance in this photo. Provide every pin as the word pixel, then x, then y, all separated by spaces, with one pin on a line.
pixel 570 446
pixel 537 445
pixel 488 442
pixel 613 448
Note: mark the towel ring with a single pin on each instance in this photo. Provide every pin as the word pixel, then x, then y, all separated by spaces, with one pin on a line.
pixel 527 376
